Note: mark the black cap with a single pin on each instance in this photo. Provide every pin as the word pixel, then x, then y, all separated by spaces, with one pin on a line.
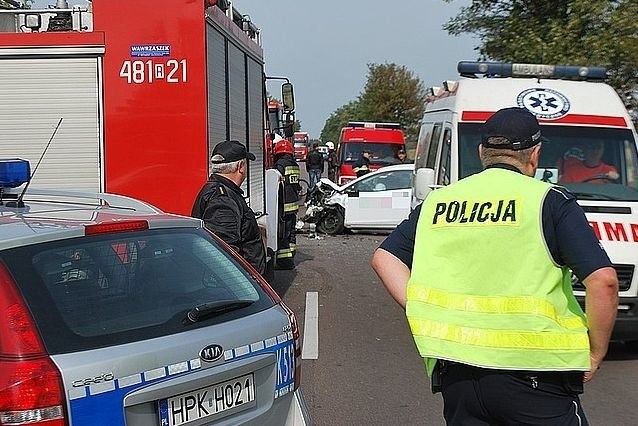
pixel 230 151
pixel 519 126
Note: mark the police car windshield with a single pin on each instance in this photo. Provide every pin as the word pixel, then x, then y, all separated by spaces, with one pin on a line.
pixel 593 163
pixel 382 153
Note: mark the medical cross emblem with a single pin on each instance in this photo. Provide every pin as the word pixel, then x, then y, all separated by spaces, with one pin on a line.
pixel 544 103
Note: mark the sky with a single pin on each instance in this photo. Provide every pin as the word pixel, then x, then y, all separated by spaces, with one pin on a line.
pixel 324 46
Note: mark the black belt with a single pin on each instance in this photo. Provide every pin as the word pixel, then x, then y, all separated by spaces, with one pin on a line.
pixel 571 380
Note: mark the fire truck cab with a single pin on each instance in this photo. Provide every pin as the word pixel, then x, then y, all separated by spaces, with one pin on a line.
pixel 383 140
pixel 577 111
pixel 301 140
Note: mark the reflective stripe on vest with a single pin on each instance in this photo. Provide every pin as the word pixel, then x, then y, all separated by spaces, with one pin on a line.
pixel 291 174
pixel 291 207
pixel 494 305
pixel 483 288
pixel 284 254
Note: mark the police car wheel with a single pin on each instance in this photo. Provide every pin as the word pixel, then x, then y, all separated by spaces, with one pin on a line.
pixel 332 222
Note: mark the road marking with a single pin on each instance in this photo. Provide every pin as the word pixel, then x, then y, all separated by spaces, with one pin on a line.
pixel 310 348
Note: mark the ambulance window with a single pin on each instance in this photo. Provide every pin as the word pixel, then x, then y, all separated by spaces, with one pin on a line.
pixel 446 158
pixel 631 164
pixel 434 146
pixel 424 139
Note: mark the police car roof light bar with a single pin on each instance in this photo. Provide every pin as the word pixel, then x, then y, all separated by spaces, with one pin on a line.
pixel 13 173
pixel 501 69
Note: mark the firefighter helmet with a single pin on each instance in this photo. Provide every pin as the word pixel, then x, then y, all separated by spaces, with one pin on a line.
pixel 283 147
pixel 330 145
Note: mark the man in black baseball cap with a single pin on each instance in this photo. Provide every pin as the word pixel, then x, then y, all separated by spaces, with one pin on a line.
pixel 230 151
pixel 222 206
pixel 518 128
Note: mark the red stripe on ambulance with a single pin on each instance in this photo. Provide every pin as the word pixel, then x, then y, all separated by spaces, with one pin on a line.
pixel 618 231
pixel 593 120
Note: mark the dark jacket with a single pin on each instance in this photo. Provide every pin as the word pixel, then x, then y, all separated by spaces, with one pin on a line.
pixel 221 205
pixel 332 159
pixel 289 169
pixel 362 166
pixel 314 161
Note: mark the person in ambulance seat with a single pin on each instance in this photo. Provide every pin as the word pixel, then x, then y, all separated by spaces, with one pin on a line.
pixel 221 204
pixel 483 269
pixel 584 164
pixel 362 165
pixel 289 204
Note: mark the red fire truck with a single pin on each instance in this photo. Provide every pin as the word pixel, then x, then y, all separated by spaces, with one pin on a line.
pixel 383 140
pixel 301 145
pixel 145 89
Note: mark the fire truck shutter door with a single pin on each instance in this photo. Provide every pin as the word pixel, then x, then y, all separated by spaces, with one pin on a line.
pixel 34 94
pixel 217 91
pixel 256 133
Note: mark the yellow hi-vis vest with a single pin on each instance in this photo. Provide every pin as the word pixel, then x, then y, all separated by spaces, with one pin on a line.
pixel 484 289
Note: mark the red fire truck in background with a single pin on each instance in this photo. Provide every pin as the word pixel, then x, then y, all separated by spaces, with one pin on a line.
pixel 145 89
pixel 301 140
pixel 383 140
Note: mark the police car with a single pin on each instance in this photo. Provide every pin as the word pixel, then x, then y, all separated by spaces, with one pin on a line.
pixel 113 312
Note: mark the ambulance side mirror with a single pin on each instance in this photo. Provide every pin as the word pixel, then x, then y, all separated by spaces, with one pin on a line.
pixel 423 183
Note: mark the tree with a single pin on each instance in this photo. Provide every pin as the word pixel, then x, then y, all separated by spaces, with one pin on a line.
pixel 392 94
pixel 571 32
pixel 338 119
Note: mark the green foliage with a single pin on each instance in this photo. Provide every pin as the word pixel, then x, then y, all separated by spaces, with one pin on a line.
pixel 392 94
pixel 338 119
pixel 570 32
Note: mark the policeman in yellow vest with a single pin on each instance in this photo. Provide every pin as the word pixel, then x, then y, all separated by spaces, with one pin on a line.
pixel 482 269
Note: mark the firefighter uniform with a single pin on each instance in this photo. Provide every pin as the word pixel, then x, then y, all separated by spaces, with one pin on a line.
pixel 362 166
pixel 287 242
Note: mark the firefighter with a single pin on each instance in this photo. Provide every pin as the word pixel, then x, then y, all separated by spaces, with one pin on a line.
pixel 362 166
pixel 289 205
pixel 332 161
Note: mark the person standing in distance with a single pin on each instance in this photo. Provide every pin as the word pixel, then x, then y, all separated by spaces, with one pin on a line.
pixel 362 165
pixel 221 205
pixel 482 269
pixel 288 205
pixel 314 165
pixel 333 163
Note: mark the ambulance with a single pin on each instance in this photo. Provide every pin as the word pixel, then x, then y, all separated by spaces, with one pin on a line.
pixel 591 151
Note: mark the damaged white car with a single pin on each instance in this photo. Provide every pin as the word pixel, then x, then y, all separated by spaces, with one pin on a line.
pixel 377 200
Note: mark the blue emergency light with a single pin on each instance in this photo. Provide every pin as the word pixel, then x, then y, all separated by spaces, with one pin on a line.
pixel 501 69
pixel 14 172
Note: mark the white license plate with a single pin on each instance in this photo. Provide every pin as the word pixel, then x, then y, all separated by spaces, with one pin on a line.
pixel 206 402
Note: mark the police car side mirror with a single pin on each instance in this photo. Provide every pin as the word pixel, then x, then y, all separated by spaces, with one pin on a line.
pixel 423 183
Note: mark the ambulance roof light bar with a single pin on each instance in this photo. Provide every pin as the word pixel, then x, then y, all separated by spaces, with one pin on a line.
pixel 368 125
pixel 502 69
